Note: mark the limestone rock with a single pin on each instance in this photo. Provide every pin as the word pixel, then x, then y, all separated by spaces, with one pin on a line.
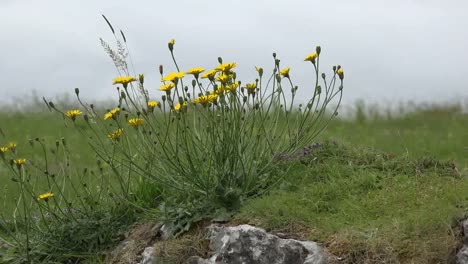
pixel 247 244
pixel 148 257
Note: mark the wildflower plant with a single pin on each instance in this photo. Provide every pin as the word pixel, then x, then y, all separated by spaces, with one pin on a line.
pixel 210 141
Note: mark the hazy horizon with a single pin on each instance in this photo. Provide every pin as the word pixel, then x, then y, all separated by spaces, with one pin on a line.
pixel 392 51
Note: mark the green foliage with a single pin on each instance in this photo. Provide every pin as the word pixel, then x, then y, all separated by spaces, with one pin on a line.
pixel 361 199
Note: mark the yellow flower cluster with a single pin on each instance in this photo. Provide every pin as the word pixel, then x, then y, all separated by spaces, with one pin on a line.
pixel 112 113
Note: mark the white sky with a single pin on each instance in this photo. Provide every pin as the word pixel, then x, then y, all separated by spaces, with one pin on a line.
pixel 391 50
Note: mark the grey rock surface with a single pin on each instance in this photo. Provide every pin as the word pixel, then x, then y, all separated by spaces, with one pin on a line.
pixel 148 257
pixel 246 244
pixel 462 255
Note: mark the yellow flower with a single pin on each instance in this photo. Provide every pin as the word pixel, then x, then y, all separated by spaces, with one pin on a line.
pixel 231 87
pixel 311 57
pixel 166 87
pixel 178 106
pixel 285 72
pixel 251 87
pixel 3 150
pixel 210 74
pixel 73 114
pixel 170 45
pixel 45 196
pixel 11 146
pixel 116 134
pixel 196 71
pixel 153 104
pixel 19 162
pixel 135 122
pixel 259 70
pixel 226 67
pixel 173 76
pixel 224 78
pixel 340 73
pixel 124 80
pixel 112 113
pixel 205 99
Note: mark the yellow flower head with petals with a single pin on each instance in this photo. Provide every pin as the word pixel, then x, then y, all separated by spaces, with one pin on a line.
pixel 179 106
pixel 226 67
pixel 112 113
pixel 285 72
pixel 224 78
pixel 166 87
pixel 116 134
pixel 210 74
pixel 251 87
pixel 311 57
pixel 11 146
pixel 205 99
pixel 73 114
pixel 173 76
pixel 135 122
pixel 3 150
pixel 124 80
pixel 196 71
pixel 153 104
pixel 19 162
pixel 232 87
pixel 45 196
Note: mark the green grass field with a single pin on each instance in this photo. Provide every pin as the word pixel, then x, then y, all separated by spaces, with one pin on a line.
pixel 385 188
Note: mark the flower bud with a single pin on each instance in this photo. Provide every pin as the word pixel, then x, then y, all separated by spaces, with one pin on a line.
pixel 170 45
pixel 245 99
pixel 161 69
pixel 220 60
pixel 277 61
pixel 274 55
pixel 319 89
pixel 186 88
pixel 141 78
pixel 318 49
pixel 122 95
pixel 194 83
pixel 163 98
pixel 91 106
pixel 323 75
pixel 51 105
pixel 86 118
pixel 77 91
pixel 334 68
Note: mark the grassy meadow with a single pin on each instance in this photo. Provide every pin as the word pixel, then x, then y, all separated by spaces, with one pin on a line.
pixel 377 188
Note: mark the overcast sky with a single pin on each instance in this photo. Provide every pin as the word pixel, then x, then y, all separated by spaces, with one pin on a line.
pixel 391 50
